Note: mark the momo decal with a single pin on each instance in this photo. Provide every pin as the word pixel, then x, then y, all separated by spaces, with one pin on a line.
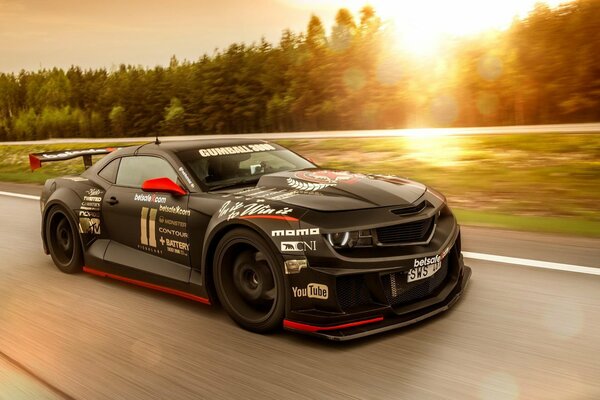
pixel 312 291
pixel 296 232
pixel 329 177
pixel 247 148
pixel 175 210
pixel 307 186
pixel 186 176
pixel 240 209
pixel 299 246
pixel 150 198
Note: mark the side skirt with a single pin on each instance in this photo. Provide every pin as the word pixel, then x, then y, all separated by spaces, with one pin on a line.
pixel 148 285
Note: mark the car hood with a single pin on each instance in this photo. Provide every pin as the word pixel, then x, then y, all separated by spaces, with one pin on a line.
pixel 329 190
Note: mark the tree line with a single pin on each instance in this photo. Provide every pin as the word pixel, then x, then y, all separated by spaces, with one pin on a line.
pixel 544 69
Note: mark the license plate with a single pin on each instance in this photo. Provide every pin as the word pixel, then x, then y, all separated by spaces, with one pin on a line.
pixel 426 271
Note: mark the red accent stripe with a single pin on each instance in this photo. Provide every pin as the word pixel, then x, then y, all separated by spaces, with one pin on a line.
pixel 147 285
pixel 313 328
pixel 281 217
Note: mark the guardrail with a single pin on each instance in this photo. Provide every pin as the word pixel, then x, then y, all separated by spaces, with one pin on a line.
pixel 485 130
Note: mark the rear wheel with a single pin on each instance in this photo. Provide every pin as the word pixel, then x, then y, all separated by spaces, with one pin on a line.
pixel 249 281
pixel 63 241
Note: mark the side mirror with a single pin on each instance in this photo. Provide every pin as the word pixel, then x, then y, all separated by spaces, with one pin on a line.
pixel 163 185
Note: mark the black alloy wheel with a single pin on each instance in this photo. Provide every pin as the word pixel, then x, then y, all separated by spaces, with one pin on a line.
pixel 63 241
pixel 249 281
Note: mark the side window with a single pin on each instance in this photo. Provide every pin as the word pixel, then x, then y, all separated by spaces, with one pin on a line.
pixel 109 172
pixel 133 171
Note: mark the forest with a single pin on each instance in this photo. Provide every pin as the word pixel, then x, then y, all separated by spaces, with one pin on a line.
pixel 545 68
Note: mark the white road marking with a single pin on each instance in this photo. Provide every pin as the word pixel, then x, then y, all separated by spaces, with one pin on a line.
pixel 467 254
pixel 22 196
pixel 532 263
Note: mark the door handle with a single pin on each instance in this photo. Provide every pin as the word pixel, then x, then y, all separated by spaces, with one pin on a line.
pixel 112 201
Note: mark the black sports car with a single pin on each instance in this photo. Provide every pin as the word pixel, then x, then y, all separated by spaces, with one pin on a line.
pixel 273 238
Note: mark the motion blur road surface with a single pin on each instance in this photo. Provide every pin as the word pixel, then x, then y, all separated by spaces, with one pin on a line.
pixel 518 333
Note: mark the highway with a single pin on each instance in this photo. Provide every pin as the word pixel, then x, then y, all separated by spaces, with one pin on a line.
pixel 518 333
pixel 420 132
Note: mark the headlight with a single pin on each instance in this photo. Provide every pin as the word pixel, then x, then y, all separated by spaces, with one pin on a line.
pixel 341 240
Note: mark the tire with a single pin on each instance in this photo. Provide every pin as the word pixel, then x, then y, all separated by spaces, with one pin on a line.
pixel 63 241
pixel 249 281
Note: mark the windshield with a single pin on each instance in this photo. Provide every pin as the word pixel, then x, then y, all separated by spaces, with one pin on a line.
pixel 215 169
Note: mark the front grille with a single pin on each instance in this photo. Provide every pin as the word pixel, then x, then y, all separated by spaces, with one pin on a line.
pixel 411 232
pixel 398 291
pixel 352 291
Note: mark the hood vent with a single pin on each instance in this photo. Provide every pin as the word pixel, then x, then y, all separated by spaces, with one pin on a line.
pixel 410 210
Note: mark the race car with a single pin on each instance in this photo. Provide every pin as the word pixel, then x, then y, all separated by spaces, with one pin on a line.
pixel 276 240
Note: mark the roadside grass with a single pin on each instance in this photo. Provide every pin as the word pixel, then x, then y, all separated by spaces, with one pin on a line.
pixel 534 182
pixel 561 225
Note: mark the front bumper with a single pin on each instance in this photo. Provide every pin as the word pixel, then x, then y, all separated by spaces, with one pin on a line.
pixel 388 318
pixel 361 303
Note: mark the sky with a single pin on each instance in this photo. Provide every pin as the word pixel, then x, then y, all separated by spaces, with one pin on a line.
pixel 38 34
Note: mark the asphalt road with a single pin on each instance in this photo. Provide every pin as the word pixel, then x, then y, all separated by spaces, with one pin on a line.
pixel 518 333
pixel 482 130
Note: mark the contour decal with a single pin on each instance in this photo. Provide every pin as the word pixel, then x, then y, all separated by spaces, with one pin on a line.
pixel 247 148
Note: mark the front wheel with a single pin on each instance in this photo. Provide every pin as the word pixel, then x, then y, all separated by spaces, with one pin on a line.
pixel 63 241
pixel 249 281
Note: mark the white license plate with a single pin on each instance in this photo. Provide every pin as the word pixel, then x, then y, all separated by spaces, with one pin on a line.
pixel 426 271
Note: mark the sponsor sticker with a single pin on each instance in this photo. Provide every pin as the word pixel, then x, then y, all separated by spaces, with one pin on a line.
pixel 329 177
pixel 89 225
pixel 312 291
pixel 295 232
pixel 175 210
pixel 94 192
pixel 249 148
pixel 299 246
pixel 172 222
pixel 186 176
pixel 150 198
pixel 240 209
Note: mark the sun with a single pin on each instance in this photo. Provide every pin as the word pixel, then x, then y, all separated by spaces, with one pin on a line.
pixel 419 26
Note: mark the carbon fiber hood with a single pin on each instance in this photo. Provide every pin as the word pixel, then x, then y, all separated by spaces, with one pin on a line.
pixel 329 190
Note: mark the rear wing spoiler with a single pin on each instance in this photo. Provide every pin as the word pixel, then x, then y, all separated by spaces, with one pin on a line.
pixel 36 159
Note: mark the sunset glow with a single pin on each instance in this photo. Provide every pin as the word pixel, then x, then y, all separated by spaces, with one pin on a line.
pixel 419 26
